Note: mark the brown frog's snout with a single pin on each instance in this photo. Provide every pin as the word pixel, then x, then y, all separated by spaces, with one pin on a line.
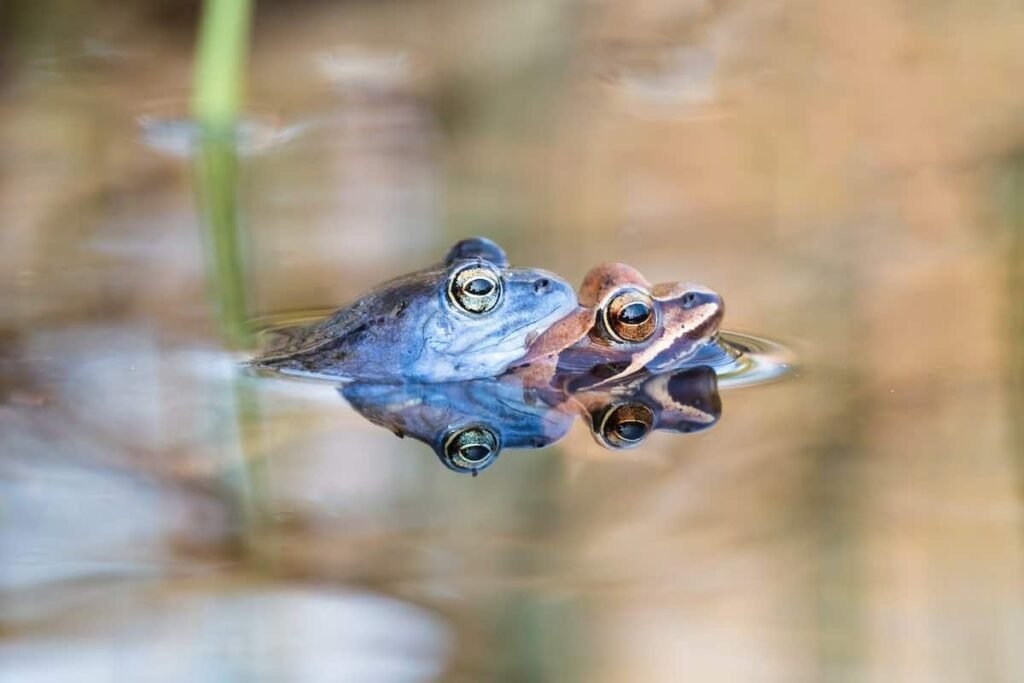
pixel 695 298
pixel 688 296
pixel 707 304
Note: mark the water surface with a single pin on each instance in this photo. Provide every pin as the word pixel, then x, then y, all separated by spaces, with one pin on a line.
pixel 847 177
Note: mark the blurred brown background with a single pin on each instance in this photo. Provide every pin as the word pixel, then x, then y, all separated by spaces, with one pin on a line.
pixel 849 176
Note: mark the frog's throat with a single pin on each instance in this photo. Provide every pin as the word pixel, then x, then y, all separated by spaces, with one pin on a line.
pixel 562 334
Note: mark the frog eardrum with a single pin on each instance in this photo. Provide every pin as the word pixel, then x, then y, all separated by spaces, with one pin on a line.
pixel 475 289
pixel 629 316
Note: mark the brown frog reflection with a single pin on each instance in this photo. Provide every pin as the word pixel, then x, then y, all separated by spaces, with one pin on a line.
pixel 623 415
pixel 468 424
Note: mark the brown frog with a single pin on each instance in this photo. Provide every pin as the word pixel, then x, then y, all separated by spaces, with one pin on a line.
pixel 623 325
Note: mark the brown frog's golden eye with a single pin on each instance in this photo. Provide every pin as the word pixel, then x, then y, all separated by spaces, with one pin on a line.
pixel 471 449
pixel 624 425
pixel 475 289
pixel 629 316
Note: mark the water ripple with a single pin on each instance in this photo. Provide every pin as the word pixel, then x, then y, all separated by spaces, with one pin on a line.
pixel 742 360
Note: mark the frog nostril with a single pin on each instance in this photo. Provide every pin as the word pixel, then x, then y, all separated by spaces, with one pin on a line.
pixel 542 285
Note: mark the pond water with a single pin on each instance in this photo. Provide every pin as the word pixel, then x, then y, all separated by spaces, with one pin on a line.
pixel 849 178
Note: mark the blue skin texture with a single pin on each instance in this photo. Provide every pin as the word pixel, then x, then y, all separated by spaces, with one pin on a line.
pixel 409 329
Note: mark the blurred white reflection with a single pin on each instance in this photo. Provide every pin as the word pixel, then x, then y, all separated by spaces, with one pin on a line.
pixel 679 76
pixel 180 136
pixel 351 67
pixel 289 634
pixel 64 523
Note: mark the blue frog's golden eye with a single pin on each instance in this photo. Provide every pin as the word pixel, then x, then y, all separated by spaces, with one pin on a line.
pixel 629 316
pixel 471 448
pixel 475 289
pixel 623 425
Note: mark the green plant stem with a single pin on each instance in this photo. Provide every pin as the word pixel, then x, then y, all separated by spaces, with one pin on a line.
pixel 221 56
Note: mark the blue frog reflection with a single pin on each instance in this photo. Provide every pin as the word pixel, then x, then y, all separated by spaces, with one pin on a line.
pixel 468 424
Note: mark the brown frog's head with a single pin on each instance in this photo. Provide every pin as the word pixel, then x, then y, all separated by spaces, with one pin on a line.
pixel 627 324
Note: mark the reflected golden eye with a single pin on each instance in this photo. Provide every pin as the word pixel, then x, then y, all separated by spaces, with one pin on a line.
pixel 471 449
pixel 624 425
pixel 475 289
pixel 629 316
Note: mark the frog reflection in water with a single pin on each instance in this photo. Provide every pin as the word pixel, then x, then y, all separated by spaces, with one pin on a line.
pixel 466 318
pixel 622 416
pixel 467 424
pixel 624 325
